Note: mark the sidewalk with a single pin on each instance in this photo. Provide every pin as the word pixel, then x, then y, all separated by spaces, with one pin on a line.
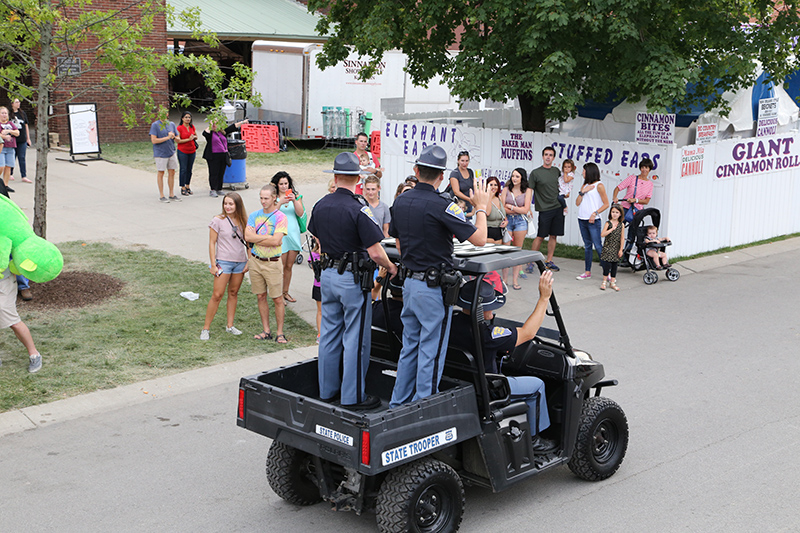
pixel 117 204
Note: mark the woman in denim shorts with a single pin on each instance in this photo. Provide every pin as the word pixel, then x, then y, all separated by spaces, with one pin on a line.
pixel 228 253
pixel 8 138
pixel 517 201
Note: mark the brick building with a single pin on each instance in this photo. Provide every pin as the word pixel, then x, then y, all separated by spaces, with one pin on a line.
pixel 110 126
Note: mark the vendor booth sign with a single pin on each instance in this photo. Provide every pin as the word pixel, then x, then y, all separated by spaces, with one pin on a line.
pixel 706 134
pixel 608 155
pixel 655 128
pixel 692 160
pixel 757 156
pixel 767 117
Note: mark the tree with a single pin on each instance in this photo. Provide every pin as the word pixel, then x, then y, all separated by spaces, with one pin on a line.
pixel 553 55
pixel 54 52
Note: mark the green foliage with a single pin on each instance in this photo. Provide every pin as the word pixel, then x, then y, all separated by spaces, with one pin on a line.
pixel 555 54
pixel 108 43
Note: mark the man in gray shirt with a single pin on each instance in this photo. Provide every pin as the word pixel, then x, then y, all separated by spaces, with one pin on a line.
pixel 544 182
pixel 162 135
pixel 372 191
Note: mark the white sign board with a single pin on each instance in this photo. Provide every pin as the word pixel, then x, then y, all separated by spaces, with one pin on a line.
pixel 706 134
pixel 692 161
pixel 655 128
pixel 767 117
pixel 758 156
pixel 83 136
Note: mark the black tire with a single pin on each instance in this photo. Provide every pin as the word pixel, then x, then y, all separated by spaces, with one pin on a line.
pixel 650 278
pixel 602 440
pixel 673 274
pixel 290 473
pixel 425 496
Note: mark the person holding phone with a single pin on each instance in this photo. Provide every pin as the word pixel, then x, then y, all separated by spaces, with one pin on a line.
pixel 290 202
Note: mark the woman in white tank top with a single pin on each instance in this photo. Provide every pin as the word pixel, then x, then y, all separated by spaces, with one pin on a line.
pixel 592 200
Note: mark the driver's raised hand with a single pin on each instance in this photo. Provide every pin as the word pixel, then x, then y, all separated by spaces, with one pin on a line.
pixel 546 285
pixel 479 195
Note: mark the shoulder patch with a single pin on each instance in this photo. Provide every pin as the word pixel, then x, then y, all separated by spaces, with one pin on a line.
pixel 367 211
pixel 498 332
pixel 454 210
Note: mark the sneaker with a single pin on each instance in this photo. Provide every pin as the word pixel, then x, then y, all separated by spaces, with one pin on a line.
pixel 204 335
pixel 36 363
pixel 522 275
pixel 584 276
pixel 164 200
pixel 551 266
pixel 233 330
pixel 175 198
pixel 26 295
pixel 9 189
pixel 212 194
pixel 529 268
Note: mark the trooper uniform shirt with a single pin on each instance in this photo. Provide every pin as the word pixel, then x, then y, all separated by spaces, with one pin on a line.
pixel 343 224
pixel 425 224
pixel 496 341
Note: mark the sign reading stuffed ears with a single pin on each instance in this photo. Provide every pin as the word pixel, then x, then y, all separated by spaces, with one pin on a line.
pixel 30 255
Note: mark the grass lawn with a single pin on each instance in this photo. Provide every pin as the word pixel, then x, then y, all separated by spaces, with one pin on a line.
pixel 139 155
pixel 148 331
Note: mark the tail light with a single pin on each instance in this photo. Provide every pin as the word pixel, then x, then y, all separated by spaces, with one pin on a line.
pixel 365 447
pixel 241 404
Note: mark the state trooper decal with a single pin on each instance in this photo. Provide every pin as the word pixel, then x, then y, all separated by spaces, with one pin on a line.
pixel 455 211
pixel 367 211
pixel 498 332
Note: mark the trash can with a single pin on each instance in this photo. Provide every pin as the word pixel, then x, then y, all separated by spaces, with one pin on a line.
pixel 236 174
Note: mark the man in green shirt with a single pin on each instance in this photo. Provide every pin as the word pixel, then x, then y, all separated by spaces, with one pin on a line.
pixel 544 182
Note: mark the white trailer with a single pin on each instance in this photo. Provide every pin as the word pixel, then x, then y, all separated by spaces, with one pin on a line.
pixel 313 103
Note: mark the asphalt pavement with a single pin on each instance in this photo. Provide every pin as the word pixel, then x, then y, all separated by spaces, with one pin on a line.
pixel 706 368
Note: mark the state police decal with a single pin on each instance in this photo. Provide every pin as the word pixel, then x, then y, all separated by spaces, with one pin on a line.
pixel 367 211
pixel 498 332
pixel 455 211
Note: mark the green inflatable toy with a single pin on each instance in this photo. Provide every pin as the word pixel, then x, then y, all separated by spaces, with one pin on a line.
pixel 30 255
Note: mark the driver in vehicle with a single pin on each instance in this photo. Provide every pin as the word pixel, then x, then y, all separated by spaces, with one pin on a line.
pixel 498 341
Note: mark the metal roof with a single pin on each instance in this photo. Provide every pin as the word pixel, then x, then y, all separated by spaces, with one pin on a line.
pixel 250 20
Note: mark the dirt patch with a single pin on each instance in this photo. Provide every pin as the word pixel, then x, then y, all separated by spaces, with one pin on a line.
pixel 72 290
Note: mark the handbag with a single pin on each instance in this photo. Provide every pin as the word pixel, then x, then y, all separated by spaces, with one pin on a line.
pixel 302 221
pixel 632 211
pixel 531 228
pixel 228 160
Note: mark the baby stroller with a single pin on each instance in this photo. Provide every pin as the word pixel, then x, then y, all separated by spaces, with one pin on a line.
pixel 639 260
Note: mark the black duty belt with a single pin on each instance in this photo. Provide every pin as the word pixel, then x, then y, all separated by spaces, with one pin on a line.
pixel 420 276
pixel 335 264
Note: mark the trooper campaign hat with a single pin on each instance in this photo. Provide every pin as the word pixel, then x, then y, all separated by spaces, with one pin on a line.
pixel 346 163
pixel 432 156
pixel 490 299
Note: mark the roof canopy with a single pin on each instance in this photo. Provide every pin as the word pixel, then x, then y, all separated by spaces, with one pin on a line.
pixel 250 20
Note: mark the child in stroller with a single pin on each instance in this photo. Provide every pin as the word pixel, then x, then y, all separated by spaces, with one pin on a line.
pixel 649 252
pixel 655 248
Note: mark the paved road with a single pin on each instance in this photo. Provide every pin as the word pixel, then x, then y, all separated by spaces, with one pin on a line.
pixel 707 370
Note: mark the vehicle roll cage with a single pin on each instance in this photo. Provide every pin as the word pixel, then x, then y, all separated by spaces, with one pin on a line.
pixel 477 264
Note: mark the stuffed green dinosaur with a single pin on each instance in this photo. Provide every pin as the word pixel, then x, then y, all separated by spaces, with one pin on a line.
pixel 30 255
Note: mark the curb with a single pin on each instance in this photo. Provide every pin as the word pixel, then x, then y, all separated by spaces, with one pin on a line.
pixel 102 401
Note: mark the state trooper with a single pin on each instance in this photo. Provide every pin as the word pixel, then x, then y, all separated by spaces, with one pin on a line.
pixel 350 245
pixel 424 222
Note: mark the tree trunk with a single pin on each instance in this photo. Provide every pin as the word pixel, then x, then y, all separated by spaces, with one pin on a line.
pixel 42 133
pixel 533 113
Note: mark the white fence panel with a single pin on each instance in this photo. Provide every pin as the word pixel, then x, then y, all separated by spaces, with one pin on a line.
pixel 739 191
